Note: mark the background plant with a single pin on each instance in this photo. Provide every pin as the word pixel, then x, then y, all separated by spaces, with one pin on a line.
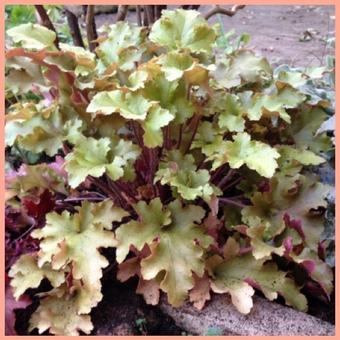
pixel 187 157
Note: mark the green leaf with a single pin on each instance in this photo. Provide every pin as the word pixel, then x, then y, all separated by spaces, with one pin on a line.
pixel 262 249
pixel 208 138
pixel 231 114
pixel 26 273
pixel 296 196
pixel 129 105
pixel 170 95
pixel 40 176
pixel 32 36
pixel 123 155
pixel 123 45
pixel 256 155
pixel 176 65
pixel 152 126
pixel 192 185
pixel 92 157
pixel 240 68
pixel 275 104
pixel 180 172
pixel 24 76
pixel 19 15
pixel 138 233
pixel 75 240
pixel 177 245
pixel 292 159
pixel 183 29
pixel 137 80
pixel 303 130
pixel 158 88
pixel 35 128
pixel 318 270
pixel 211 119
pixel 58 313
pixel 233 276
pixel 85 60
pixel 88 158
pixel 104 212
pixel 294 79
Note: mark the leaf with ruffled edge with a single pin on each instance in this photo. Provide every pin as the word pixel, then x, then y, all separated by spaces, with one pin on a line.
pixel 299 197
pixel 35 128
pixel 32 36
pixel 94 157
pixel 293 159
pixel 183 29
pixel 170 95
pixel 180 172
pixel 40 176
pixel 256 155
pixel 148 288
pixel 177 245
pixel 58 312
pixel 26 273
pixel 75 240
pixel 304 127
pixel 231 114
pixel 238 275
pixel 240 68
pixel 128 105
pixel 275 105
pixel 156 119
pixel 124 45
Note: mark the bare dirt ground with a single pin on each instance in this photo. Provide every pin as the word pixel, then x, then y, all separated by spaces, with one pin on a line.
pixel 294 35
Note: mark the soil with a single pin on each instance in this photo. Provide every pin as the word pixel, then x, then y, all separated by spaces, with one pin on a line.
pixel 286 34
pixel 123 312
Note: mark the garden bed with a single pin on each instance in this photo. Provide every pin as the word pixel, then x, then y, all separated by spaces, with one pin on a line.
pixel 179 166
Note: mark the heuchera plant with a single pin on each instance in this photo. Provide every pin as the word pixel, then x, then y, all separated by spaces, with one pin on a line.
pixel 188 160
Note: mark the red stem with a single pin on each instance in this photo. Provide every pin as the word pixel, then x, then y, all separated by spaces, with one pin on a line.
pixel 167 140
pixel 197 119
pixel 117 191
pixel 125 191
pixel 152 153
pixel 180 136
pixel 109 190
pixel 231 184
pixel 225 179
pixel 136 132
pixel 218 172
pixel 125 200
pixel 230 201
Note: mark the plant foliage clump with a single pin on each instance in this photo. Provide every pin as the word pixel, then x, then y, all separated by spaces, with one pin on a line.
pixel 189 160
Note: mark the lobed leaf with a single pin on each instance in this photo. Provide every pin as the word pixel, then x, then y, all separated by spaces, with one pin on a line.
pixel 94 157
pixel 237 275
pixel 173 237
pixel 32 36
pixel 183 29
pixel 256 155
